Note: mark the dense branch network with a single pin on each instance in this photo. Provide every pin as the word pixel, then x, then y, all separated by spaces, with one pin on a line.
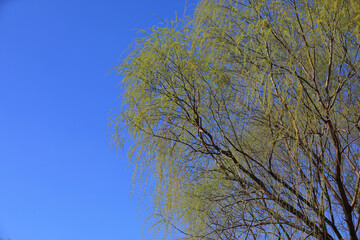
pixel 247 116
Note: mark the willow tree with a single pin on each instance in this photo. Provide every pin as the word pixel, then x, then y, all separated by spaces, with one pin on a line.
pixel 244 120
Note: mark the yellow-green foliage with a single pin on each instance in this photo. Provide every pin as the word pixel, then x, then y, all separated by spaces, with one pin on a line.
pixel 240 80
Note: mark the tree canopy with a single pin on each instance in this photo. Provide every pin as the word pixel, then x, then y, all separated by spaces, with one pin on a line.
pixel 244 120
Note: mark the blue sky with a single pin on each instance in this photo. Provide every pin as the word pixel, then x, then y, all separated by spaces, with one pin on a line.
pixel 58 178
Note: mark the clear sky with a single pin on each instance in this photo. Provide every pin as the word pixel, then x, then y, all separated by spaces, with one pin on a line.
pixel 58 178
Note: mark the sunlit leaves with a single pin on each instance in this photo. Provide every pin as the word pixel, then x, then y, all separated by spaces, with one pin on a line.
pixel 244 119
